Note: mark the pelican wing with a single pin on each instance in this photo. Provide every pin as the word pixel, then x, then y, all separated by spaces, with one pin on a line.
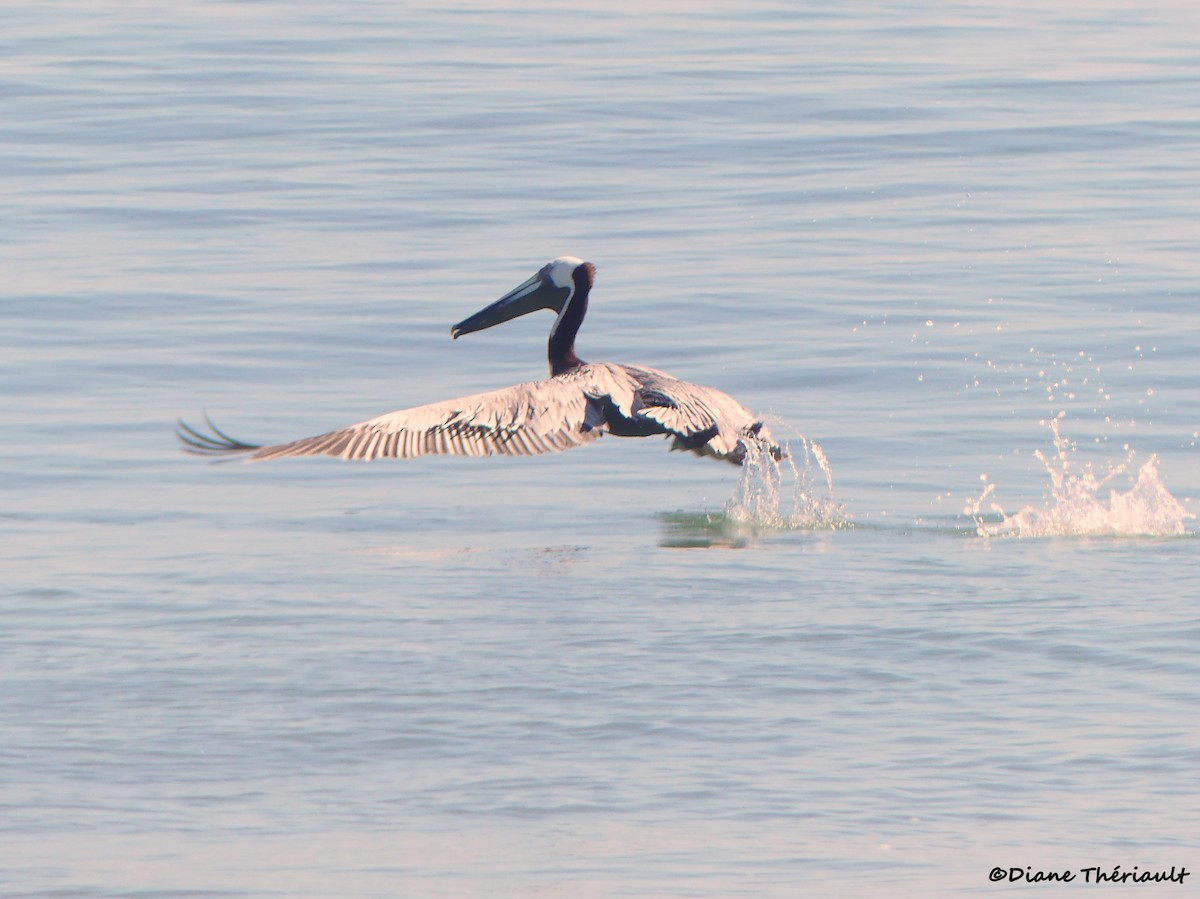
pixel 523 420
pixel 703 420
pixel 565 411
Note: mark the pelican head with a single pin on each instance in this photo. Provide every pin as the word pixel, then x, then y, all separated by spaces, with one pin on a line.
pixel 553 285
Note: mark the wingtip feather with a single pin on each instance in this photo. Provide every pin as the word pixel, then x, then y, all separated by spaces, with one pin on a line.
pixel 214 442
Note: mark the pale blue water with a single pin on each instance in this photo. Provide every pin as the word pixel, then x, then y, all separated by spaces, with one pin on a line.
pixel 913 235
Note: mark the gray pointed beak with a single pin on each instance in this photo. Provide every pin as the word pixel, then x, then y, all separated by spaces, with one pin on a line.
pixel 536 293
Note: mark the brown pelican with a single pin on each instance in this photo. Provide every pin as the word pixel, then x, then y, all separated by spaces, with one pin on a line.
pixel 574 406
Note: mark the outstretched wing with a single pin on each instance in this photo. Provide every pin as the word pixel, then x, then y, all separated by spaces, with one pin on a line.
pixel 523 420
pixel 703 420
pixel 565 411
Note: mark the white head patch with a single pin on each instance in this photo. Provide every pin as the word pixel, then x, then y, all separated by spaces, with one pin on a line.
pixel 560 271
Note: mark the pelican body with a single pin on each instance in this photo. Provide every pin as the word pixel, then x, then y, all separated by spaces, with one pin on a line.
pixel 574 406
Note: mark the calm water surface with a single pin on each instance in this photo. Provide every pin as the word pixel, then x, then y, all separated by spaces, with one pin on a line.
pixel 915 236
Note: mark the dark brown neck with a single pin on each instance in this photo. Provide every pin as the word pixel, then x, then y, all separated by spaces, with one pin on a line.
pixel 561 348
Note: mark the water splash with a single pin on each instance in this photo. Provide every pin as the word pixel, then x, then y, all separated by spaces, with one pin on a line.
pixel 1077 508
pixel 795 493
